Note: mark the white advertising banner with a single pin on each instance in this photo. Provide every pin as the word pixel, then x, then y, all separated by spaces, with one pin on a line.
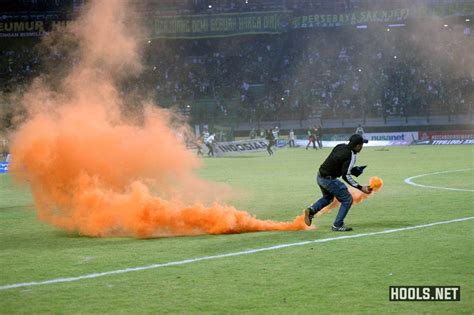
pixel 239 147
pixel 392 136
pixel 375 139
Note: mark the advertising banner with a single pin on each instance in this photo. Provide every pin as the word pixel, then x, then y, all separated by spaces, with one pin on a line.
pixel 385 16
pixel 354 18
pixel 3 167
pixel 31 28
pixel 336 137
pixel 446 137
pixel 457 141
pixel 239 147
pixel 403 137
pixel 220 25
pixel 375 139
pixel 331 144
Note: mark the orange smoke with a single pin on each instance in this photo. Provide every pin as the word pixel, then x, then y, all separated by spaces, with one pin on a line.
pixel 94 170
pixel 375 182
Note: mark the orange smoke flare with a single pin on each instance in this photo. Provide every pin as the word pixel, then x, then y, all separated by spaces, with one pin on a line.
pixel 376 183
pixel 357 196
pixel 97 172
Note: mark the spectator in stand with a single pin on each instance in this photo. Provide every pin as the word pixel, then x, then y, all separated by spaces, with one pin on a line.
pixel 281 77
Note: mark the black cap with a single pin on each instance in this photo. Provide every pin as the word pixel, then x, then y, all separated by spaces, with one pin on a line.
pixel 357 139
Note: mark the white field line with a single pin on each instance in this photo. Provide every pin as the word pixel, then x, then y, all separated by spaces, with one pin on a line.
pixel 410 182
pixel 246 252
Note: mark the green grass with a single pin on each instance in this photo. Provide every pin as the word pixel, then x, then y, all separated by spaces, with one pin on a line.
pixel 343 276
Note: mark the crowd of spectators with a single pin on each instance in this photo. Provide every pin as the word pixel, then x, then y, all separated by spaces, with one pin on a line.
pixel 411 71
pixel 418 70
pixel 17 65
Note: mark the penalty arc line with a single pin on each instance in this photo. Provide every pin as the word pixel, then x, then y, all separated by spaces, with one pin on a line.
pixel 410 182
pixel 246 252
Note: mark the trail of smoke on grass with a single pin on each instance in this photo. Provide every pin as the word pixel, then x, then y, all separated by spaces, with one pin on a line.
pixel 93 169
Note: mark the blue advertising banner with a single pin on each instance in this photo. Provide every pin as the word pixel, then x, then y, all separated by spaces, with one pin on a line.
pixel 3 167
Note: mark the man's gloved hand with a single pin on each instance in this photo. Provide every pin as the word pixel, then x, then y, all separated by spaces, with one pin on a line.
pixel 357 170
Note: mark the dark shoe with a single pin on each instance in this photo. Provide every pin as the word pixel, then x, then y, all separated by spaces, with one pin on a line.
pixel 341 228
pixel 308 216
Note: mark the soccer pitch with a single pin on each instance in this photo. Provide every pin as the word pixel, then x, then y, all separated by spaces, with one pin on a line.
pixel 305 272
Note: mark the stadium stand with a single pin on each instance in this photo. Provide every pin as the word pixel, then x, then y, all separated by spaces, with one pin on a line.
pixel 326 72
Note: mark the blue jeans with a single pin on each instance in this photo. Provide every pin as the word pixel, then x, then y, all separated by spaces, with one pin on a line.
pixel 333 188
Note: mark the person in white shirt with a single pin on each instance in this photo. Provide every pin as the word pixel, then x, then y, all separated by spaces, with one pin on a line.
pixel 276 135
pixel 209 141
pixel 360 131
pixel 5 151
pixel 291 139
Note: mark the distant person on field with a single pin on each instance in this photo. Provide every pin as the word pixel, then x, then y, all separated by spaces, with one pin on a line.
pixel 340 162
pixel 4 150
pixel 271 141
pixel 291 139
pixel 209 142
pixel 253 134
pixel 199 146
pixel 311 138
pixel 205 134
pixel 360 131
pixel 319 136
pixel 276 134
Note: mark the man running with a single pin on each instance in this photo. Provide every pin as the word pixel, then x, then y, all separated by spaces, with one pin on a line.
pixel 340 162
pixel 270 137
